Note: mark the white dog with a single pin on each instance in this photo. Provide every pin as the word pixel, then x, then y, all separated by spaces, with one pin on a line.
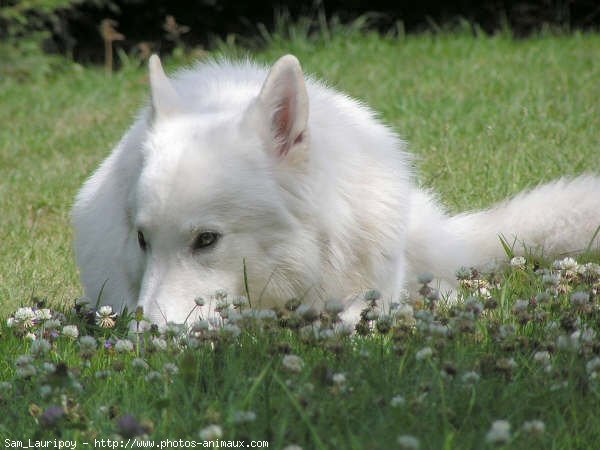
pixel 235 168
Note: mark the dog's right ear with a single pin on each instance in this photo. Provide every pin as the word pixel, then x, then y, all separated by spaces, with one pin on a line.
pixel 283 107
pixel 165 100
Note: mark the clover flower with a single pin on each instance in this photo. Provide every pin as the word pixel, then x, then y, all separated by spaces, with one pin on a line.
pixel 87 346
pixel 499 433
pixel 593 367
pixel 123 346
pixel 139 364
pixel 542 357
pixel 51 416
pixel 293 363
pixel 153 376
pixel 158 344
pixel 105 318
pixel 470 377
pixel 567 264
pixel 518 262
pixel 171 369
pixel 424 353
pixel 231 330
pixel 534 427
pixel 40 347
pixel 408 442
pixel 25 317
pixel 339 379
pixel 70 331
pixel 240 417
pixel 42 314
pixel 397 401
pixel 211 433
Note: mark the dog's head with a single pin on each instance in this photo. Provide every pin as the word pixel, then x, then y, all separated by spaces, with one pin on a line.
pixel 217 200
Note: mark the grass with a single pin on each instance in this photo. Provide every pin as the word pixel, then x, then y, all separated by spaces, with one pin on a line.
pixel 485 117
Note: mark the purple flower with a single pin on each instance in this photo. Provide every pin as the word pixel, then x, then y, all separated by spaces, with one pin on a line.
pixel 51 416
pixel 129 426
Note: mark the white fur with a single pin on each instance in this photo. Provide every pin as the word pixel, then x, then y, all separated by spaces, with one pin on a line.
pixel 305 186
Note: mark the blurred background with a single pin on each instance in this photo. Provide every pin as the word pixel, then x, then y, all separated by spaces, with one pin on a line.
pixel 92 31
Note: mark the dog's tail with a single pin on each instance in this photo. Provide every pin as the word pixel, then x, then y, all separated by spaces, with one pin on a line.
pixel 559 218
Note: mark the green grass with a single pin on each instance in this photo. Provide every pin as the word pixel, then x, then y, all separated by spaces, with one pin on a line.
pixel 485 117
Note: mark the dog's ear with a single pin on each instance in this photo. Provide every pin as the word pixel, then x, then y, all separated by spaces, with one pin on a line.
pixel 284 103
pixel 165 100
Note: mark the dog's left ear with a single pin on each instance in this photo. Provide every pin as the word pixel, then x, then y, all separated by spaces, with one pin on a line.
pixel 283 101
pixel 165 100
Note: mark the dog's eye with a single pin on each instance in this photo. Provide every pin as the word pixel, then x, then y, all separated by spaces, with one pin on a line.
pixel 205 239
pixel 142 241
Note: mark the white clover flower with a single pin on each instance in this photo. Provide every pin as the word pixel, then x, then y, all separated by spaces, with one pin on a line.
pixel 123 346
pixel 231 330
pixel 506 363
pixel 105 310
pixel 293 363
pixel 23 360
pixel 424 353
pixel 470 377
pixel 45 391
pixel 534 427
pixel 567 263
pixel 25 316
pixel 243 417
pixel 105 318
pixel 520 306
pixel 40 347
pixel 339 379
pixel 70 331
pixel 542 357
pixel 153 376
pixel 499 433
pixel 593 367
pixel 211 433
pixel 158 344
pixel 26 371
pixel 408 442
pixel 88 342
pixel 397 401
pixel 171 369
pixel 43 314
pixel 439 330
pixel 140 364
pixel 518 262
pixel 568 343
pixel 11 322
pixel 590 270
pixel 48 367
pixel 52 324
pixel 580 298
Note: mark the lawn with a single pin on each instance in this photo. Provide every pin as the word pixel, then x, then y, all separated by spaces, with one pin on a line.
pixel 484 116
